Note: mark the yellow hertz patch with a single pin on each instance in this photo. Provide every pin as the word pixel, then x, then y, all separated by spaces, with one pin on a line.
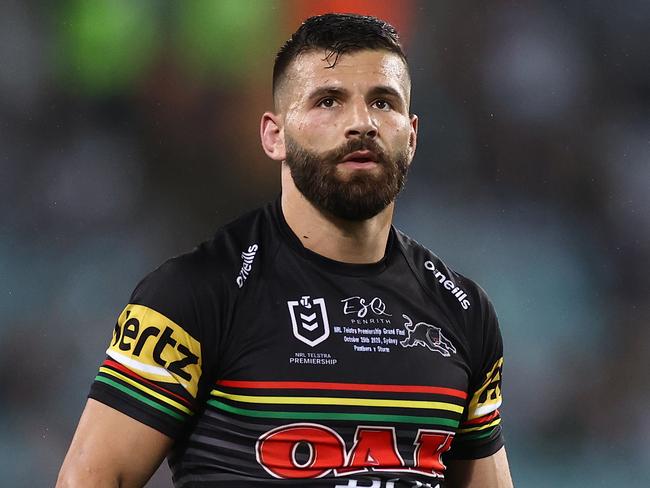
pixel 156 348
pixel 488 397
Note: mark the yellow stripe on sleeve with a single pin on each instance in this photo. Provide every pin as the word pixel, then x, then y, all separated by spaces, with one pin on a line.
pixel 147 390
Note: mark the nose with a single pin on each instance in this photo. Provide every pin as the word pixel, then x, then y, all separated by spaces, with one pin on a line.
pixel 361 123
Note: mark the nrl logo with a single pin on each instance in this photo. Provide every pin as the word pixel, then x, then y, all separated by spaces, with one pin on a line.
pixel 309 320
pixel 427 335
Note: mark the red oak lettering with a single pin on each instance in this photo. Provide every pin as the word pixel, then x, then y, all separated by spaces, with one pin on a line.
pixel 276 451
pixel 374 447
pixel 431 444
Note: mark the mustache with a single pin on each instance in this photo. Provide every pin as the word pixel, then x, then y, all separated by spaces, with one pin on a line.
pixel 335 156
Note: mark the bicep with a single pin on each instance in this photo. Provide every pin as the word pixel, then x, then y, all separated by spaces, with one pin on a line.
pixel 489 472
pixel 110 448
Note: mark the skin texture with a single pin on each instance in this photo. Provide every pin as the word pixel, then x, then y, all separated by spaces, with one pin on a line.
pixel 367 94
pixel 110 449
pixel 489 472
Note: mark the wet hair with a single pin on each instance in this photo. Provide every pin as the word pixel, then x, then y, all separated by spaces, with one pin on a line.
pixel 336 34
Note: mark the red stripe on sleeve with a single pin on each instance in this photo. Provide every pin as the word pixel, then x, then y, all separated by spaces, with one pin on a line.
pixel 128 372
pixel 485 419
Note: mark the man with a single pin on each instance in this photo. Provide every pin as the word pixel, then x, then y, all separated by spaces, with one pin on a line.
pixel 309 343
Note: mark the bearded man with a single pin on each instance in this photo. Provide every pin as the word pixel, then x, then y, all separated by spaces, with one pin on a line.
pixel 309 343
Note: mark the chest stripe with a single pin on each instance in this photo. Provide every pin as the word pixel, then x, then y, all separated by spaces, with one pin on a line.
pixel 364 417
pixel 357 402
pixel 314 385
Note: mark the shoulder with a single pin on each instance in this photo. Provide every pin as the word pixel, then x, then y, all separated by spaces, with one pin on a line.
pixel 441 279
pixel 209 271
pixel 462 298
pixel 220 255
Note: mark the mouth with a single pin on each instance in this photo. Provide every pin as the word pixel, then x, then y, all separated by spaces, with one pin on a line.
pixel 360 160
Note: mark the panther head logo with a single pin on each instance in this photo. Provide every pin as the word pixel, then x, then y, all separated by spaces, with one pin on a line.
pixel 427 335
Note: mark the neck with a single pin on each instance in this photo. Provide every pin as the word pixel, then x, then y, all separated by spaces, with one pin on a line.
pixel 358 242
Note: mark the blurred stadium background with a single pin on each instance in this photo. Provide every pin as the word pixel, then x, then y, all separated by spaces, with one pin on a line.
pixel 129 132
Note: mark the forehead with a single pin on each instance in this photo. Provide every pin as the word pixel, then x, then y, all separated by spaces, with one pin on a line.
pixel 358 69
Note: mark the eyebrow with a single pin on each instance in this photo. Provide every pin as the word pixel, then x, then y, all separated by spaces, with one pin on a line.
pixel 386 91
pixel 327 91
pixel 336 91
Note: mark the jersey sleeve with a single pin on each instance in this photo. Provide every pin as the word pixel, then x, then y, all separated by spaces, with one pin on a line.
pixel 479 433
pixel 154 362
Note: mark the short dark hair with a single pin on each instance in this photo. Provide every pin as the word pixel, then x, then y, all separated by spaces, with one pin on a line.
pixel 337 34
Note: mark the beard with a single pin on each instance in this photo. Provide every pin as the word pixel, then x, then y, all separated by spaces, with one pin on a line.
pixel 361 194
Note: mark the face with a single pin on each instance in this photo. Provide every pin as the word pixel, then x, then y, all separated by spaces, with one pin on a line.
pixel 348 136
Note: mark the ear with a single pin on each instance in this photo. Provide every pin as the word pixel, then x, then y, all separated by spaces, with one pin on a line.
pixel 413 137
pixel 272 135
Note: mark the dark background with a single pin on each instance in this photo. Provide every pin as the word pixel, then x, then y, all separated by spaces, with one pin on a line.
pixel 129 132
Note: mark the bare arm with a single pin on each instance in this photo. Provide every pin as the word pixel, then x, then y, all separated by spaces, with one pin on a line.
pixel 110 449
pixel 489 472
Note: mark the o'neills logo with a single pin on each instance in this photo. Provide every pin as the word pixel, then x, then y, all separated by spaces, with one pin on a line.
pixel 448 284
pixel 247 263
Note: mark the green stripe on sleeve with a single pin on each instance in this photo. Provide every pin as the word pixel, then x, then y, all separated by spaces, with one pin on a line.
pixel 140 397
pixel 410 419
pixel 475 436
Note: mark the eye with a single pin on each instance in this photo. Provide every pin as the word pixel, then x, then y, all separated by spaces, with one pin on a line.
pixel 382 105
pixel 328 102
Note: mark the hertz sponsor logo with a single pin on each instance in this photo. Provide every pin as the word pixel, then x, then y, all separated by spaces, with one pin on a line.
pixel 156 348
pixel 448 284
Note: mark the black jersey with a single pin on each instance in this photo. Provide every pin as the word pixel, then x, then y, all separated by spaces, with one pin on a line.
pixel 270 364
